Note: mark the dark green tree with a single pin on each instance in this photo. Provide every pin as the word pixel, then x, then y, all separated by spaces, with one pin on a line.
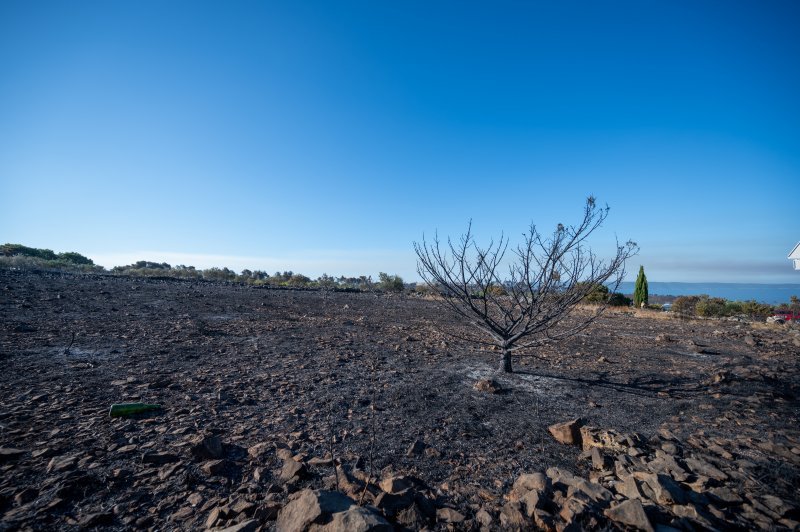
pixel 640 294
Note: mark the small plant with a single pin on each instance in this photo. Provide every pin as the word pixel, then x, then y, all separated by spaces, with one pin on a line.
pixel 390 283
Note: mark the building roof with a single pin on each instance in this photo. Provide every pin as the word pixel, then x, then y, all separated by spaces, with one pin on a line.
pixel 795 253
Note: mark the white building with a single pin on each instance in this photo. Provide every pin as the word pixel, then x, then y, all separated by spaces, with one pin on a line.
pixel 795 256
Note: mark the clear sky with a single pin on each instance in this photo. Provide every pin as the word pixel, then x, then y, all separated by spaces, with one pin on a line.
pixel 328 136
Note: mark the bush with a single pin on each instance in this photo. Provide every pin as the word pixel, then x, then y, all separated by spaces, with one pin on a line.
pixel 619 300
pixel 390 283
pixel 710 307
pixel 685 305
pixel 597 295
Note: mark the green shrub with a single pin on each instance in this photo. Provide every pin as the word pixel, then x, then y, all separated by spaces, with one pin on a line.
pixel 685 305
pixel 619 300
pixel 390 283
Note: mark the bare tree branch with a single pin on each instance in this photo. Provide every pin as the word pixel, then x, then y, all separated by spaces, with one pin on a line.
pixel 547 278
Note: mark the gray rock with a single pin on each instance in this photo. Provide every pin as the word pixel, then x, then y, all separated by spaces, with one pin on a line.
pixel 512 518
pixel 630 513
pixel 355 519
pixel 208 446
pixel 449 515
pixel 308 506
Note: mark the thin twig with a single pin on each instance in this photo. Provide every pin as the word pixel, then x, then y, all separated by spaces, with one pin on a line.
pixel 66 351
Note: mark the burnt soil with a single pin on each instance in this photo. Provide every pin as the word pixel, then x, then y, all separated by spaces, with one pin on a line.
pixel 291 368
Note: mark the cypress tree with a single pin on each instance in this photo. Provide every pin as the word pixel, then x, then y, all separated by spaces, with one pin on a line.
pixel 640 294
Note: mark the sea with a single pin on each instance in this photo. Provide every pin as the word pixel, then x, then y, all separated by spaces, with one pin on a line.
pixel 772 294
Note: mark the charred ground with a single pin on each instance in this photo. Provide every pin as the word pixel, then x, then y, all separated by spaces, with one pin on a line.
pixel 292 368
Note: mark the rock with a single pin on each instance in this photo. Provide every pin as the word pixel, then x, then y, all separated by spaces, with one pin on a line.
pixel 561 479
pixel 568 432
pixel 245 526
pixel 574 510
pixel 292 469
pixel 152 457
pixel 629 488
pixel 218 514
pixel 308 506
pixel 512 518
pixel 25 496
pixel 416 448
pixel 10 453
pixel 449 515
pixel 484 518
pixel 213 467
pixel 392 503
pixel 487 385
pixel 531 481
pixel 96 519
pixel 531 501
pixel 596 492
pixel 355 519
pixel 208 446
pixel 258 451
pixel 701 467
pixel 61 463
pixel 631 513
pixel 725 495
pixel 395 484
pixel 665 490
pixel 412 518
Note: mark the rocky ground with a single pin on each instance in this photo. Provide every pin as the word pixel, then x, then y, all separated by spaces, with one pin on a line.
pixel 347 411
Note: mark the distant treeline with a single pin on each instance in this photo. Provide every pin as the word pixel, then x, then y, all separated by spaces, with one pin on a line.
pixel 19 256
pixel 23 257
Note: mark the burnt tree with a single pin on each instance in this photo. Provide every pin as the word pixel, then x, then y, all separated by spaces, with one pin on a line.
pixel 546 277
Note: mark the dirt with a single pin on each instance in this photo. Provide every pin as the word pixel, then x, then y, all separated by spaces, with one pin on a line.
pixel 363 375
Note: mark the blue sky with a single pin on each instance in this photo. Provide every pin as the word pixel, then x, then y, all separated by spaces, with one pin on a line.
pixel 328 136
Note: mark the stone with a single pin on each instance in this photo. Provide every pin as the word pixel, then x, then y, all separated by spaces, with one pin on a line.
pixel 58 464
pixel 25 496
pixel 665 490
pixel 96 519
pixel 10 453
pixel 258 451
pixel 512 518
pixel 629 488
pixel 292 469
pixel 393 503
pixel 531 501
pixel 208 446
pixel 245 526
pixel 574 509
pixel 213 467
pixel 354 519
pixel 595 492
pixel 631 513
pixel 395 484
pixel 701 467
pixel 307 506
pixel 531 481
pixel 152 457
pixel 725 495
pixel 449 515
pixel 488 385
pixel 416 448
pixel 560 478
pixel 484 518
pixel 412 518
pixel 567 432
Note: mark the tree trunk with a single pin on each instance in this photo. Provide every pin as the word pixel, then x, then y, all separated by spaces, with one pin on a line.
pixel 505 366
